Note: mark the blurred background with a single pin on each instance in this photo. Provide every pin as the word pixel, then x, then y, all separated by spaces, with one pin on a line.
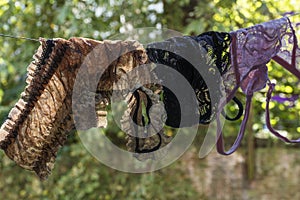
pixel 262 168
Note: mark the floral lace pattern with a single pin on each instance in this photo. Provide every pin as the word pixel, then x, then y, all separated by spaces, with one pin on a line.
pixel 251 49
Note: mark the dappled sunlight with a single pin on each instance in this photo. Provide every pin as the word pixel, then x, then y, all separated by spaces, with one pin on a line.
pixel 263 167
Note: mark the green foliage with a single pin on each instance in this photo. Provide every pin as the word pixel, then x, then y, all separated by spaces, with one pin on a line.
pixel 77 175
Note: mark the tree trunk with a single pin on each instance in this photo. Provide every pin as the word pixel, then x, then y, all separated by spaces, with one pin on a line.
pixel 250 151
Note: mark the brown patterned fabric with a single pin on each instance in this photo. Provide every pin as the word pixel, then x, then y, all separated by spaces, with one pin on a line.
pixel 41 120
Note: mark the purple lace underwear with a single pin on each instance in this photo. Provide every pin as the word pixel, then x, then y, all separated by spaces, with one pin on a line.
pixel 251 49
